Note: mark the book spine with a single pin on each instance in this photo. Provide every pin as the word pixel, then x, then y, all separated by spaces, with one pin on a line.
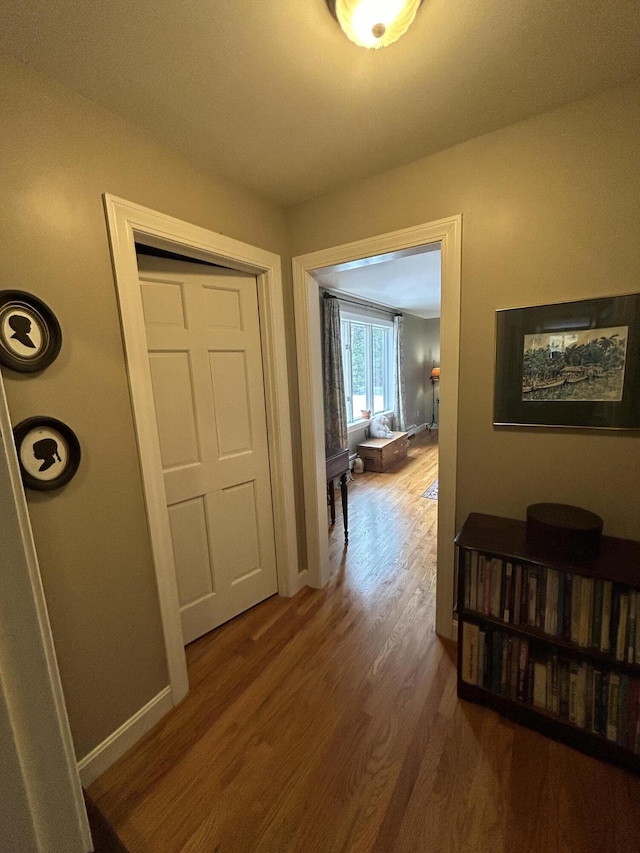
pixel 615 619
pixel 585 613
pixel 530 678
pixel 567 611
pixel 466 599
pixel 604 707
pixel 554 603
pixel 488 659
pixel 469 670
pixel 573 692
pixel 507 645
pixel 482 561
pixel 524 596
pixel 496 589
pixel 481 652
pixel 632 626
pixel 637 639
pixel 581 695
pixel 554 706
pixel 605 632
pixel 517 593
pixel 623 710
pixel 514 662
pixel 560 608
pixel 486 591
pixel 634 712
pixel 612 717
pixel 564 679
pixel 590 584
pixel 473 593
pixel 532 596
pixel 496 664
pixel 597 702
pixel 540 684
pixel 507 599
pixel 596 628
pixel 576 598
pixel 621 639
pixel 540 597
pixel 588 698
pixel 522 670
pixel 548 594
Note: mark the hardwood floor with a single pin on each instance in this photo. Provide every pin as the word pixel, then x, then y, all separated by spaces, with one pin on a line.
pixel 330 722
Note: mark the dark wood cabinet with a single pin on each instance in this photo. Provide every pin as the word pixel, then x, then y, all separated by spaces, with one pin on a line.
pixel 552 642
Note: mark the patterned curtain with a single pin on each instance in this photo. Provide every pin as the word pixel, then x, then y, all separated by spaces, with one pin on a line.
pixel 335 407
pixel 398 373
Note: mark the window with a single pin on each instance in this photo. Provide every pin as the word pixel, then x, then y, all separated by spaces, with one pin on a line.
pixel 367 359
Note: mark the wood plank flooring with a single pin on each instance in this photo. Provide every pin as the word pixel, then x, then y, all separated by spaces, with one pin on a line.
pixel 330 722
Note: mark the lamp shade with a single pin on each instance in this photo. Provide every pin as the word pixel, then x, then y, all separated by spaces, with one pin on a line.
pixel 374 23
pixel 435 373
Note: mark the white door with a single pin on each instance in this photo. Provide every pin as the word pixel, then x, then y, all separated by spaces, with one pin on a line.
pixel 203 339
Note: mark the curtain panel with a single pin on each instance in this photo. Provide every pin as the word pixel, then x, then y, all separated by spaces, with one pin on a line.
pixel 398 373
pixel 335 407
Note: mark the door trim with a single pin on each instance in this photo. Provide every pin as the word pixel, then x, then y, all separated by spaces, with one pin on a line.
pixel 128 222
pixel 447 232
pixel 41 795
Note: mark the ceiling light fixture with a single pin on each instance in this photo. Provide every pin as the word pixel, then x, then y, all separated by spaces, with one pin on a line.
pixel 374 23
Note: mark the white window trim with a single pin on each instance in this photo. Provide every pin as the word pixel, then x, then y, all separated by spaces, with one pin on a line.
pixel 370 319
pixel 363 423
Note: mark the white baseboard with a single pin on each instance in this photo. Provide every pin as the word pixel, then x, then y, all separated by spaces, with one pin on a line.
pixel 414 430
pixel 106 753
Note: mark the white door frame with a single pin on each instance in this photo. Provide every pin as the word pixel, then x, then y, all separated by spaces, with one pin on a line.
pixel 41 807
pixel 128 223
pixel 447 232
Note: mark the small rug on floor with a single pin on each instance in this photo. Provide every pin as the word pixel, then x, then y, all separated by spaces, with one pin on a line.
pixel 432 491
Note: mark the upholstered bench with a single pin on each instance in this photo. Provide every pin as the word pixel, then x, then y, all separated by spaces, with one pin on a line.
pixel 379 454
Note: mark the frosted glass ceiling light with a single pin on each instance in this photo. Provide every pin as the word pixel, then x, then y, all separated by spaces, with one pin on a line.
pixel 374 23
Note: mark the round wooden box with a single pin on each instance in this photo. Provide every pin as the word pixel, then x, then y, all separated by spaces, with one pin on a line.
pixel 568 531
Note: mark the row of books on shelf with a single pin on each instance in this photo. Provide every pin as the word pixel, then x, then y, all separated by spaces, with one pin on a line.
pixel 594 698
pixel 589 612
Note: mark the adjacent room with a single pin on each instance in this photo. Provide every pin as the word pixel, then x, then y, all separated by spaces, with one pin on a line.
pixel 381 366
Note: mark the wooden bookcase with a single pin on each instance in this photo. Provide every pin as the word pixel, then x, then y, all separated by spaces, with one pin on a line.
pixel 543 660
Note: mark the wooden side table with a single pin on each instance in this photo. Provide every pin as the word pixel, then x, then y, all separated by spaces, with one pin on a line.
pixel 338 466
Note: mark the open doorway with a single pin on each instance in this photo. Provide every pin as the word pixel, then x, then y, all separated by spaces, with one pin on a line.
pixel 446 233
pixel 381 357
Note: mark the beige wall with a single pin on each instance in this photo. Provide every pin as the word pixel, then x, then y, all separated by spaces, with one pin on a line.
pixel 550 213
pixel 58 154
pixel 420 337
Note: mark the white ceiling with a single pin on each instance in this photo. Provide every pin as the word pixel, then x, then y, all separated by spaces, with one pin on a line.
pixel 410 283
pixel 271 93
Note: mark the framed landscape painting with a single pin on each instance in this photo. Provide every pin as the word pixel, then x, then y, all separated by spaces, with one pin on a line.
pixel 570 364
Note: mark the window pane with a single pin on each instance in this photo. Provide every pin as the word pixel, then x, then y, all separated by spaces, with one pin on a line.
pixel 346 365
pixel 379 363
pixel 358 370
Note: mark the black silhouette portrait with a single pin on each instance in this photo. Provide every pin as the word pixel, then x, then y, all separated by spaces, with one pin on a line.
pixel 47 450
pixel 21 326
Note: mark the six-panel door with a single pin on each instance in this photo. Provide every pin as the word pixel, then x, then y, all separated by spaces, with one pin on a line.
pixel 203 338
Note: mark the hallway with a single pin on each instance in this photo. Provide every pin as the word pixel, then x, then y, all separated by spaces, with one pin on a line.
pixel 330 722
